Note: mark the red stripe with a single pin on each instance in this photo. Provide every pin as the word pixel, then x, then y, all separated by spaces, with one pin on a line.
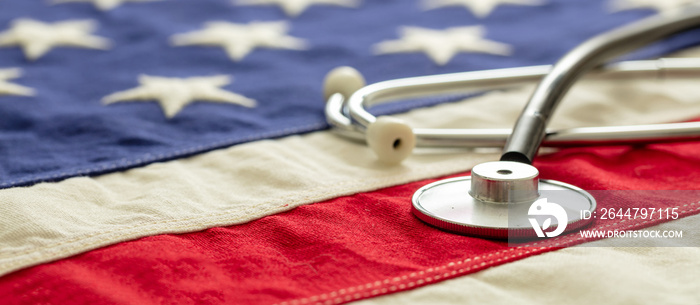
pixel 335 251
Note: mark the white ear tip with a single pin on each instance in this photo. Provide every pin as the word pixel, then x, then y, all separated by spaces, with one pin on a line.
pixel 343 80
pixel 391 139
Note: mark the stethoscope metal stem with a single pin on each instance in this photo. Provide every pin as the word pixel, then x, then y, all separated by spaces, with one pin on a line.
pixel 482 81
pixel 496 137
pixel 530 128
pixel 583 136
pixel 350 118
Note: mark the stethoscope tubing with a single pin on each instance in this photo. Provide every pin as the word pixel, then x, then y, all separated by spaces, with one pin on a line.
pixel 530 128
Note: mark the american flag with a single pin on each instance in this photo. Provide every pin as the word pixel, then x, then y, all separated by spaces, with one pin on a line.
pixel 176 151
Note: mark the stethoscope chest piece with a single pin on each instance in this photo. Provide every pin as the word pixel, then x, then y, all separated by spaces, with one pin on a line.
pixel 502 200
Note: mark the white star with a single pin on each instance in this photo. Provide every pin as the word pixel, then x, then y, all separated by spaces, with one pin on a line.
pixel 441 46
pixel 7 88
pixel 295 7
pixel 480 8
pixel 104 5
pixel 173 94
pixel 37 38
pixel 662 6
pixel 240 39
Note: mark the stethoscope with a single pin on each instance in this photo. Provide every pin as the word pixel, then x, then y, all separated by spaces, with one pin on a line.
pixel 498 198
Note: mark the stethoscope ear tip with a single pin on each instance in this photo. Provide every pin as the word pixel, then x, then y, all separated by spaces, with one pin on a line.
pixel 391 139
pixel 344 80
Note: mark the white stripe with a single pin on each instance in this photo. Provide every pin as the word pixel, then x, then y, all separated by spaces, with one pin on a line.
pixel 594 273
pixel 235 185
